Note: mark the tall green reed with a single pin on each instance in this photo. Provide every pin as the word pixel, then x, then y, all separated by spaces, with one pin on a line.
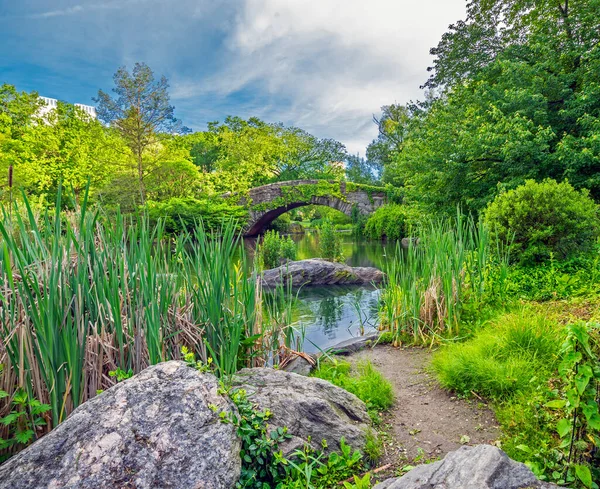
pixel 428 283
pixel 82 294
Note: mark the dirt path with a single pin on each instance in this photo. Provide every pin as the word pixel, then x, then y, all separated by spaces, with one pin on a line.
pixel 426 422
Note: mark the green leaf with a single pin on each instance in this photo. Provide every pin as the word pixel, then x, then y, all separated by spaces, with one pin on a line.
pixel 563 427
pixel 556 404
pixel 584 475
pixel 594 421
pixel 24 437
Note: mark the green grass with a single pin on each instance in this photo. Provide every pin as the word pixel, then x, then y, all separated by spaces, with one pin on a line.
pixel 363 380
pixel 513 354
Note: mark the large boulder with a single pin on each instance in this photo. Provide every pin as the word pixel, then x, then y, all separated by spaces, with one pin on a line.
pixel 478 467
pixel 317 271
pixel 159 429
pixel 310 408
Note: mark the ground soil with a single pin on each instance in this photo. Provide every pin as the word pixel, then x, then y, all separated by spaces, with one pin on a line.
pixel 426 422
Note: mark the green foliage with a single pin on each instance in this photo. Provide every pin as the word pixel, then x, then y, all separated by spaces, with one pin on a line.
pixel 330 245
pixel 139 112
pixel 551 423
pixel 22 422
pixel 185 214
pixel 544 219
pixel 275 248
pixel 310 469
pixel 261 459
pixel 502 359
pixel 264 466
pixel 579 430
pixel 120 375
pixel 515 99
pixel 240 154
pixel 554 279
pixel 365 382
pixel 389 221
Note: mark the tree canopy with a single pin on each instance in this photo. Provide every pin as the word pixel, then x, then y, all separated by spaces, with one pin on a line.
pixel 517 98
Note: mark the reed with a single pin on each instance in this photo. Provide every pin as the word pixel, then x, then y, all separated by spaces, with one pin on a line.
pixel 428 283
pixel 82 295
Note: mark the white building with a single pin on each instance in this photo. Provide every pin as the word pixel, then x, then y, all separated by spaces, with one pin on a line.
pixel 50 104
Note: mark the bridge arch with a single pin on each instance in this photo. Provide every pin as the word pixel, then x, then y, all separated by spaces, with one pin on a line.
pixel 268 202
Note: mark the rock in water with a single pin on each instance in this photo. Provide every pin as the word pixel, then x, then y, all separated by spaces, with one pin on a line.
pixel 317 271
pixel 478 467
pixel 308 407
pixel 155 430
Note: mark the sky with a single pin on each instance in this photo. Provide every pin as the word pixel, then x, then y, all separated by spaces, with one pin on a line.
pixel 326 66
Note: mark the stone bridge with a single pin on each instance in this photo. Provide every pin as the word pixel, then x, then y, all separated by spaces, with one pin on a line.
pixel 270 201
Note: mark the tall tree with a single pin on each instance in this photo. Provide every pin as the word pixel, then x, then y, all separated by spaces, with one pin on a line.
pixel 17 111
pixel 140 110
pixel 518 98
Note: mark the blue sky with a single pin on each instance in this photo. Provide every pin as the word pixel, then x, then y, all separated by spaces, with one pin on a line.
pixel 323 65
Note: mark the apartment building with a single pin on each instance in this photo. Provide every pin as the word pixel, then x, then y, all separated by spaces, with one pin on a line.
pixel 50 104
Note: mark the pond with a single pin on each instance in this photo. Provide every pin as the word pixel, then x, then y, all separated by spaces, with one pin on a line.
pixel 331 314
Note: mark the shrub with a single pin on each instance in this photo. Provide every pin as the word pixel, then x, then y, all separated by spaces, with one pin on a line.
pixel 275 248
pixel 281 224
pixel 544 219
pixel 386 222
pixel 330 246
pixel 184 214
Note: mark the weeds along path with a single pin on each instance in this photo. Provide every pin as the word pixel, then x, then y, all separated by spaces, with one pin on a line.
pixel 425 422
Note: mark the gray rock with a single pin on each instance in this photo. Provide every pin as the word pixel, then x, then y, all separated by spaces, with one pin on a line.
pixel 309 407
pixel 352 345
pixel 478 467
pixel 155 430
pixel 317 271
pixel 301 365
pixel 406 242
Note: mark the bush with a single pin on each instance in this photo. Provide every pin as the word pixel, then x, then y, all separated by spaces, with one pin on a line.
pixel 275 248
pixel 543 220
pixel 330 246
pixel 281 224
pixel 393 221
pixel 386 222
pixel 183 214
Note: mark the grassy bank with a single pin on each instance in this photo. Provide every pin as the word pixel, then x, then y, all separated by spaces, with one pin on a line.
pixel 524 336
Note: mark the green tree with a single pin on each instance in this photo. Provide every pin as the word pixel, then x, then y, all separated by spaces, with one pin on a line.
pixel 518 100
pixel 17 110
pixel 140 111
pixel 71 148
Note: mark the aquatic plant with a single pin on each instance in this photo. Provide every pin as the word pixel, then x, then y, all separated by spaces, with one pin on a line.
pixel 82 295
pixel 428 283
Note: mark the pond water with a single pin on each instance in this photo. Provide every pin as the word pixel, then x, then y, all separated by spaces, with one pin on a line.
pixel 329 315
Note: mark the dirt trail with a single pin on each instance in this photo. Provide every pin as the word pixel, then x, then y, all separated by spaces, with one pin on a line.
pixel 426 422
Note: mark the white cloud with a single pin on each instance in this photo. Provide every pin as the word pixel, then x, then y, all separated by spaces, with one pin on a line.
pixel 334 63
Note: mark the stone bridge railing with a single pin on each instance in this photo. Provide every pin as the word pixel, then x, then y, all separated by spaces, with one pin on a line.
pixel 268 202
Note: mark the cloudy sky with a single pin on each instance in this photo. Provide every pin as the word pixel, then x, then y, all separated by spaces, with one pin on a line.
pixel 324 65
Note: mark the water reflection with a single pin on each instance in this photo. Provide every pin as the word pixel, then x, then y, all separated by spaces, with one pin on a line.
pixel 336 313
